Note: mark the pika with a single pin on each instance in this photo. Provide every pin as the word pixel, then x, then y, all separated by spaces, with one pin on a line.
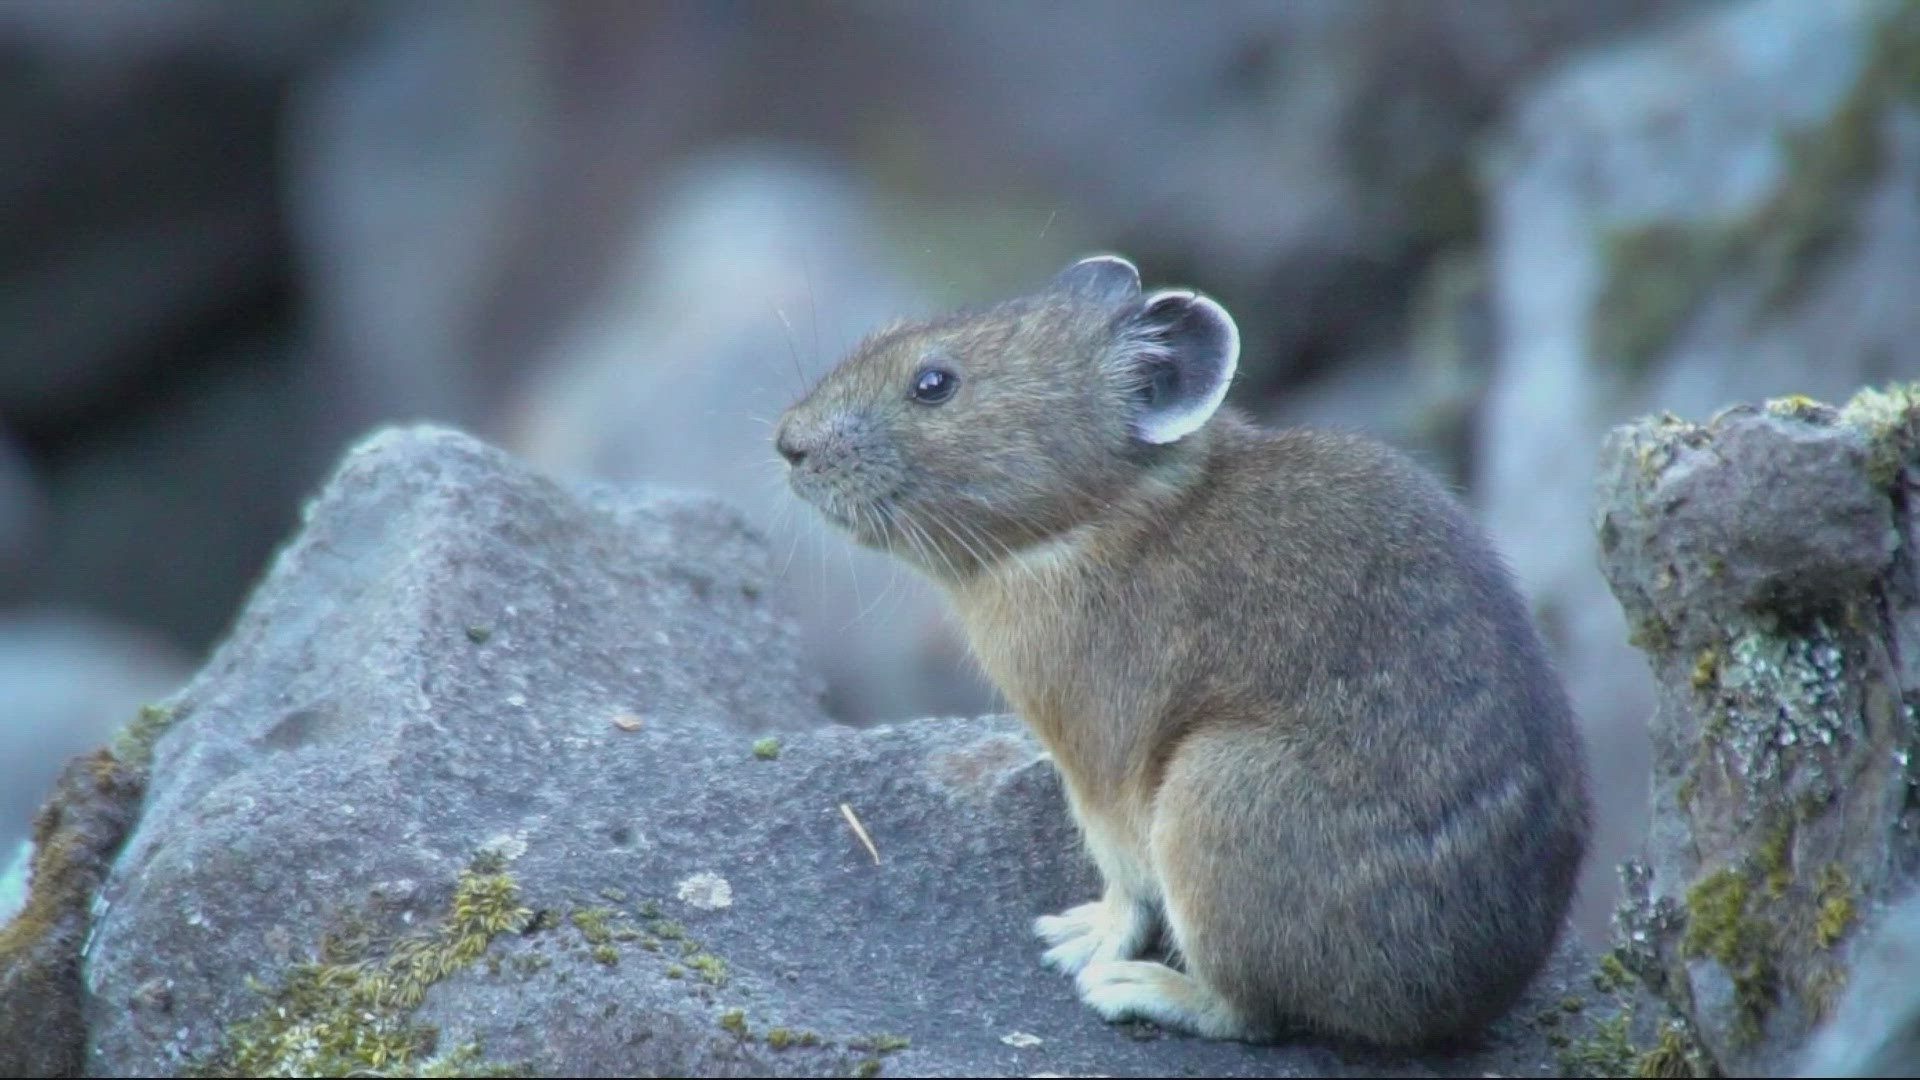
pixel 1302 718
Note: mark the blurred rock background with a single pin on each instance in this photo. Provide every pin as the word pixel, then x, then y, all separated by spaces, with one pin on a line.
pixel 619 238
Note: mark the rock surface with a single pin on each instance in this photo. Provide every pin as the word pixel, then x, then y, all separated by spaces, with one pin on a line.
pixel 1720 212
pixel 1767 562
pixel 536 767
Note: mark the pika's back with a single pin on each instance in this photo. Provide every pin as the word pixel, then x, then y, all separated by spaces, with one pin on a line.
pixel 1344 582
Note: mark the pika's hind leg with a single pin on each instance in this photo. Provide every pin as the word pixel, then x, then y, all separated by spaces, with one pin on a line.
pixel 1225 893
pixel 1142 989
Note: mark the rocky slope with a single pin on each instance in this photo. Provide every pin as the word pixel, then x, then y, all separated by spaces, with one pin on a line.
pixel 499 773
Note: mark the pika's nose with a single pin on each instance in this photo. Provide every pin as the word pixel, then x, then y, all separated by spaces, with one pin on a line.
pixel 789 449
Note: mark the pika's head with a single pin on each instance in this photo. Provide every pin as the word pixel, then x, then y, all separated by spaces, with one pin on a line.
pixel 955 441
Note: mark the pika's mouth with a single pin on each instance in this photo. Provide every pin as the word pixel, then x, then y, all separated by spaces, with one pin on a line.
pixel 835 507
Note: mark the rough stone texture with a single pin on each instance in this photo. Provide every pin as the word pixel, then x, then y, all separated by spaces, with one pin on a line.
pixel 1754 513
pixel 1766 560
pixel 459 665
pixel 1720 212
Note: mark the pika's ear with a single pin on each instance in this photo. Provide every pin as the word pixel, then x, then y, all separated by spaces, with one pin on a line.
pixel 1099 277
pixel 1176 355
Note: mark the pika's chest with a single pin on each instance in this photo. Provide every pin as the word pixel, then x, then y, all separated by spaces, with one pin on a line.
pixel 1029 633
pixel 1029 654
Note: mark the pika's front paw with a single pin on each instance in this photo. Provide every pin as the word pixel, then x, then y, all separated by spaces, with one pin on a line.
pixel 1102 931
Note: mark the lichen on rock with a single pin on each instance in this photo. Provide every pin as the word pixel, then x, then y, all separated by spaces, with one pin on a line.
pixel 1775 548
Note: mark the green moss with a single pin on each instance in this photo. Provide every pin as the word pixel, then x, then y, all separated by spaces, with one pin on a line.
pixel 133 745
pixel 1776 858
pixel 1798 407
pixel 1706 670
pixel 1721 926
pixel 1836 911
pixel 1611 974
pixel 1673 1056
pixel 868 1067
pixel 593 924
pixel 1607 1050
pixel 709 967
pixel 1812 209
pixel 766 749
pixel 1891 420
pixel 479 635
pixel 605 954
pixel 339 1017
pixel 781 1038
pixel 735 1022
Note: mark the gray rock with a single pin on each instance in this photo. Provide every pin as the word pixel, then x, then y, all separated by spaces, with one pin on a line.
pixel 567 693
pixel 1757 513
pixel 1722 211
pixel 1766 560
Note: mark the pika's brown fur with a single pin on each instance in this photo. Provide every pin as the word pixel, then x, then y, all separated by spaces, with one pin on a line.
pixel 1302 717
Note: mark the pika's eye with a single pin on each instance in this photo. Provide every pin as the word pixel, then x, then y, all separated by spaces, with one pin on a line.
pixel 934 385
